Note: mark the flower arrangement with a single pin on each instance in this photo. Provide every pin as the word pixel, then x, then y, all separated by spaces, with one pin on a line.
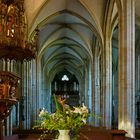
pixel 70 119
pixel 65 117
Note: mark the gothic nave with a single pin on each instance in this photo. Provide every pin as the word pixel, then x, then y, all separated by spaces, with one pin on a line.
pixel 89 52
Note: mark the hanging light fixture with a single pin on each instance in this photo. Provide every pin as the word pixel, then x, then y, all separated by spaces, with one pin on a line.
pixel 13 32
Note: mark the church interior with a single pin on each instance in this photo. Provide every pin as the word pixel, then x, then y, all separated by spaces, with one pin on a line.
pixel 87 51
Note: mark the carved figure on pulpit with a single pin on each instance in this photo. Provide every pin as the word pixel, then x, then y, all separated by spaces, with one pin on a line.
pixel 1 91
pixel 3 12
pixel 11 20
pixel 7 89
pixel 12 91
pixel 4 90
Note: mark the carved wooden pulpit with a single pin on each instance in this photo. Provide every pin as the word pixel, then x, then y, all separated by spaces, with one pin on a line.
pixel 8 95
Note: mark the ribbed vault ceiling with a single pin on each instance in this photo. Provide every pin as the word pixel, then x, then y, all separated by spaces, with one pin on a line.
pixel 68 32
pixel 67 35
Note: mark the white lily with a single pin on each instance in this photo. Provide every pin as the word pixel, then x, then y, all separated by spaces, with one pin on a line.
pixel 43 112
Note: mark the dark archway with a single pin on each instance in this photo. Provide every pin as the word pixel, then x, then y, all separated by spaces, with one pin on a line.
pixel 66 85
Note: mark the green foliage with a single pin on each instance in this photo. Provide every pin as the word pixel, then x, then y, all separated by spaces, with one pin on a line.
pixel 59 107
pixel 65 118
pixel 70 118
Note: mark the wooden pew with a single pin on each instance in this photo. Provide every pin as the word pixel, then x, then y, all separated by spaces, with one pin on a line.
pixel 93 133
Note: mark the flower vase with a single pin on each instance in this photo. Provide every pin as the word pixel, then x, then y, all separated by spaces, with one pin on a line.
pixel 64 135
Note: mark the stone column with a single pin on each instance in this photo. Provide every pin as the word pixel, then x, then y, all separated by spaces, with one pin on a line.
pixel 106 69
pixel 96 83
pixel 106 89
pixel 21 96
pixel 126 82
pixel 90 100
pixel 87 92
pixel 34 90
